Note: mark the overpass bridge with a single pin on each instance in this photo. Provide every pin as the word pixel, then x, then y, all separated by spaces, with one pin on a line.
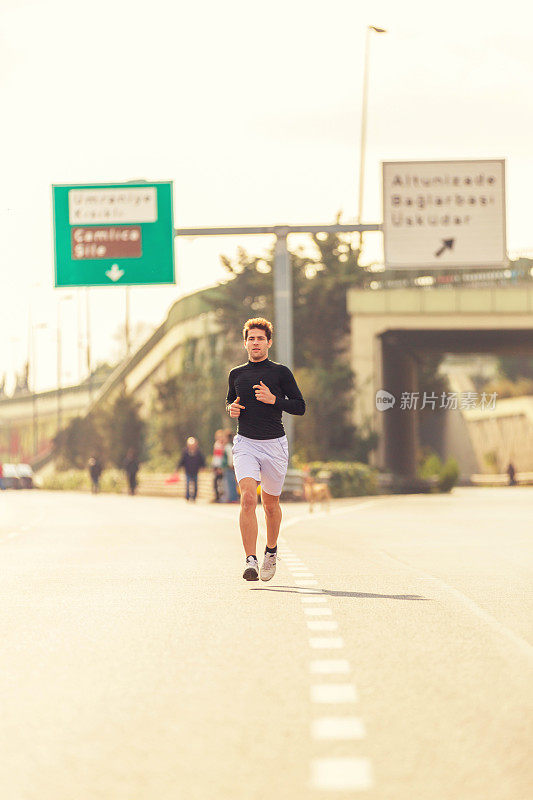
pixel 392 329
pixel 29 421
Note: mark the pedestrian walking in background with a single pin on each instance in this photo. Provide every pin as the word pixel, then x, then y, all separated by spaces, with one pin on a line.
pixel 512 474
pixel 131 468
pixel 217 464
pixel 192 460
pixel 231 493
pixel 95 470
pixel 258 392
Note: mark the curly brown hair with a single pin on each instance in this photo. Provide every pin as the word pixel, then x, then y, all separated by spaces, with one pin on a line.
pixel 258 322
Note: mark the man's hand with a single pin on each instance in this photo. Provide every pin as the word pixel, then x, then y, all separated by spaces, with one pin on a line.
pixel 235 409
pixel 264 394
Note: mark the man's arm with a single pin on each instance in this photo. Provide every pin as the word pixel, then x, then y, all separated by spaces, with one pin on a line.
pixel 293 402
pixel 232 401
pixel 232 394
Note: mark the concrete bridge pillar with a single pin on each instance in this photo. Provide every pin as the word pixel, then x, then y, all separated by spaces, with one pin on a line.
pixel 400 427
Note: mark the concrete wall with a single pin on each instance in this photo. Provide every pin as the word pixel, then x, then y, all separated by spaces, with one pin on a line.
pixel 505 431
pixel 21 413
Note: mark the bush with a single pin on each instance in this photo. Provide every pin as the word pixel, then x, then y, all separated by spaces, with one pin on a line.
pixel 430 467
pixel 345 479
pixel 71 480
pixel 77 480
pixel 446 474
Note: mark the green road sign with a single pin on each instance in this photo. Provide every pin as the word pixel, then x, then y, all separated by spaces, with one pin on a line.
pixel 113 233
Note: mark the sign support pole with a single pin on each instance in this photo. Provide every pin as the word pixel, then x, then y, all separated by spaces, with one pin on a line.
pixel 283 312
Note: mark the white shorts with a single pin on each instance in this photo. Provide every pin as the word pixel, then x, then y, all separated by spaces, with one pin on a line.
pixel 264 460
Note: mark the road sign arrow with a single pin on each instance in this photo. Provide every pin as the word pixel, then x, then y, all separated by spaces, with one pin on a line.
pixel 115 273
pixel 447 244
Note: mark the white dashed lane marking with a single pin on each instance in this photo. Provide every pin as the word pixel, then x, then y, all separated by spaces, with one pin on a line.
pixel 326 642
pixel 338 728
pixel 341 774
pixel 329 774
pixel 322 625
pixel 333 693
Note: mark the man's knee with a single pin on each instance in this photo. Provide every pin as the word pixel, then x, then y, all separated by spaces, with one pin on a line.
pixel 248 499
pixel 271 506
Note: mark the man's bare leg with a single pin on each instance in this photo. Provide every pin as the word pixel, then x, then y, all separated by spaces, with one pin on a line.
pixel 247 517
pixel 272 516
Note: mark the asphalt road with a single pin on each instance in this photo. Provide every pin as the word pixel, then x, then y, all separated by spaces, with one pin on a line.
pixel 390 658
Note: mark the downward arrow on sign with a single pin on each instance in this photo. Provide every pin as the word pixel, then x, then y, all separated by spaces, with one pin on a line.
pixel 115 273
pixel 447 244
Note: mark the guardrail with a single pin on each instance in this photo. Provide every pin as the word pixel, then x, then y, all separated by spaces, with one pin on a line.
pixel 521 478
pixel 160 485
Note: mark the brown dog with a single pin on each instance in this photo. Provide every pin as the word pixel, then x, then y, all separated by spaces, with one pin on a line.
pixel 316 492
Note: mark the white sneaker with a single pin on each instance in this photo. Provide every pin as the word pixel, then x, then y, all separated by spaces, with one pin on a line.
pixel 251 571
pixel 268 568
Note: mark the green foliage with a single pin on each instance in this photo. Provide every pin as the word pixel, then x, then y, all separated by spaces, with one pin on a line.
pixel 345 479
pixel 326 429
pixel 516 367
pixel 126 429
pixel 72 480
pixel 83 437
pixel 491 460
pixel 100 373
pixel 106 432
pixel 69 480
pixel 190 403
pixel 446 474
pixel 429 381
pixel 430 467
pixel 505 387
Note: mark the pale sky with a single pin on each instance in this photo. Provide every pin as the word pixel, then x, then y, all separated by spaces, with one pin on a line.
pixel 254 111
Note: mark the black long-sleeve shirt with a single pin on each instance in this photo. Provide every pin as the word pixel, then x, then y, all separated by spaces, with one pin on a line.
pixel 260 420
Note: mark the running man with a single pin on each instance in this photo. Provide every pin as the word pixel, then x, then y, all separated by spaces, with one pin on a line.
pixel 257 394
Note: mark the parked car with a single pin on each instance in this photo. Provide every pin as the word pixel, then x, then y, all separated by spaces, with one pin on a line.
pixel 17 476
pixel 25 473
pixel 11 477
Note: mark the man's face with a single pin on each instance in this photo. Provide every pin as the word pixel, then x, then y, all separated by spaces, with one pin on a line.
pixel 257 344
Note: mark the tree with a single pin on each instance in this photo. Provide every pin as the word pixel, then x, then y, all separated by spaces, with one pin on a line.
pixel 189 403
pixel 125 429
pixel 82 438
pixel 516 367
pixel 321 357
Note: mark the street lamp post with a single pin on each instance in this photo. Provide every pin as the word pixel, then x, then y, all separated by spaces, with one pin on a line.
pixel 88 343
pixel 362 153
pixel 32 371
pixel 59 382
pixel 127 323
